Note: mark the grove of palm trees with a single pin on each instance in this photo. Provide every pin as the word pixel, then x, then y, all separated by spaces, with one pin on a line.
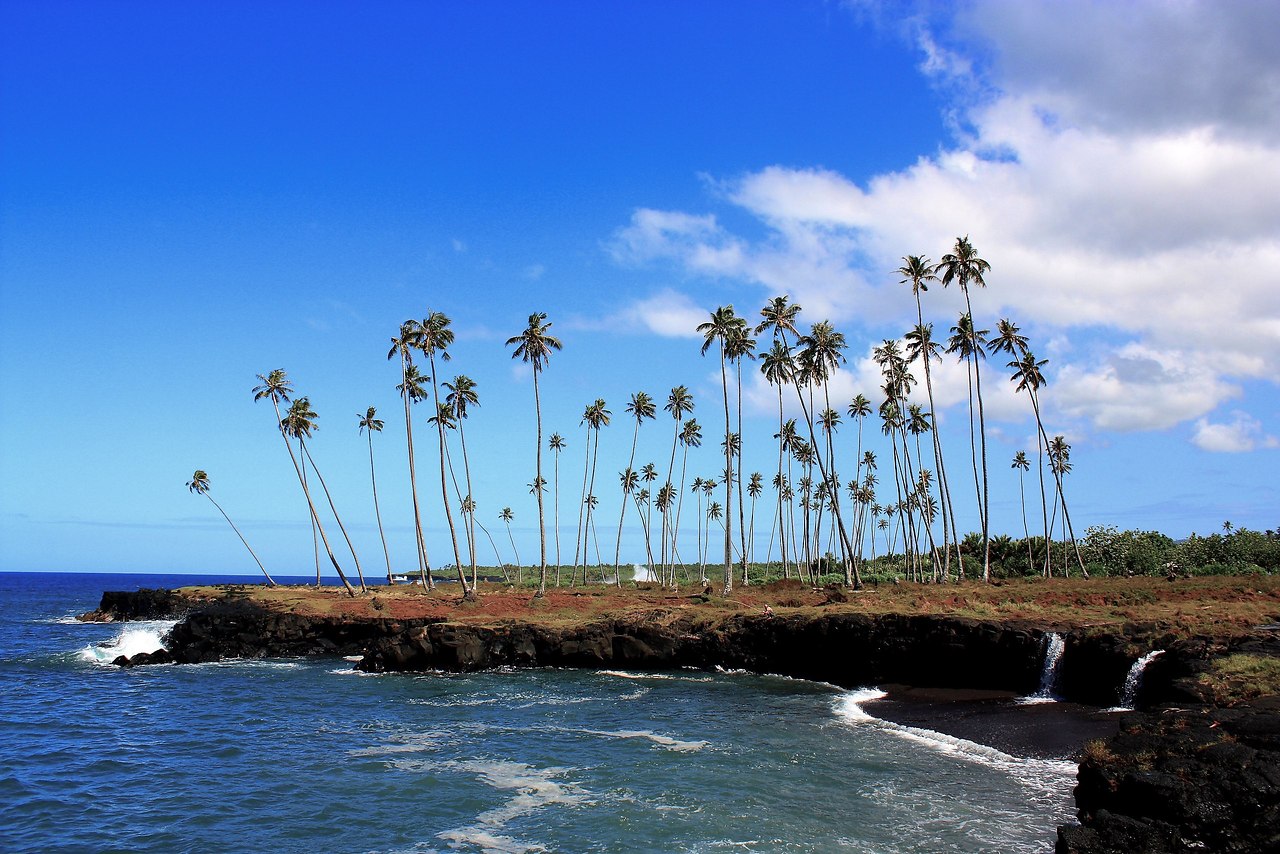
pixel 878 505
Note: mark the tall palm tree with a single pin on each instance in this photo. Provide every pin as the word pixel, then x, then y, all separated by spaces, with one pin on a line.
pixel 740 346
pixel 969 344
pixel 724 327
pixel 821 353
pixel 412 389
pixel 777 369
pixel 535 345
pixel 299 423
pixel 275 386
pixel 1060 461
pixel 640 407
pixel 369 421
pixel 755 485
pixel 506 516
pixel 1021 463
pixel 596 416
pixel 679 404
pixel 461 397
pixel 690 437
pixel 963 266
pixel 1029 377
pixel 433 336
pixel 648 474
pixel 859 408
pixel 557 444
pixel 778 318
pixel 199 484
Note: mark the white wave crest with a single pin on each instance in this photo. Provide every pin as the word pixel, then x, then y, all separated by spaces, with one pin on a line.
pixel 663 741
pixel 132 639
pixel 1040 775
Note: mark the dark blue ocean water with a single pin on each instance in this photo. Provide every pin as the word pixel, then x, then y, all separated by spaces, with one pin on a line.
pixel 309 756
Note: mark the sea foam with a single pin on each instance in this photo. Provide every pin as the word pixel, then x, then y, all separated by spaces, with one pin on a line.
pixel 132 639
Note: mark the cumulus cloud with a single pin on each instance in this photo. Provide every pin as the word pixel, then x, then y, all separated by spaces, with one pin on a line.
pixel 1242 433
pixel 667 313
pixel 1121 171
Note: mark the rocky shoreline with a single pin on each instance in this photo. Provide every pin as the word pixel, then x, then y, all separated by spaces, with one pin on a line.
pixel 1185 774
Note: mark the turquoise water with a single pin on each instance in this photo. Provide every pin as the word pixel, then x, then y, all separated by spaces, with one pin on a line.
pixel 310 756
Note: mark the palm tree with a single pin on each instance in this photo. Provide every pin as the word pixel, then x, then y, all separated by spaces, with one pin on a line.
pixel 369 421
pixel 690 437
pixel 970 345
pixel 963 266
pixel 648 474
pixel 740 346
pixel 199 484
pixel 506 516
pixel 276 388
pixel 412 389
pixel 679 404
pixel 755 485
pixel 557 444
pixel 595 417
pixel 462 395
pixel 433 336
pixel 779 319
pixel 640 407
pixel 1028 376
pixel 821 352
pixel 298 423
pixel 1060 461
pixel 1021 463
pixel 724 327
pixel 535 345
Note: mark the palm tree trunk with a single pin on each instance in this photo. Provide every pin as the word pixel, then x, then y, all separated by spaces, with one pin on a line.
pixel 315 536
pixel 469 519
pixel 580 540
pixel 591 491
pixel 1026 532
pixel 270 582
pixel 537 487
pixel 373 478
pixel 982 435
pixel 307 494
pixel 557 516
pixel 336 517
pixel 728 480
pixel 617 549
pixel 467 593
pixel 428 583
pixel 496 556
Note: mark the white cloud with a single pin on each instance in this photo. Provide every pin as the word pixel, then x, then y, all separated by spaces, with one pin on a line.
pixel 1243 433
pixel 667 313
pixel 1135 231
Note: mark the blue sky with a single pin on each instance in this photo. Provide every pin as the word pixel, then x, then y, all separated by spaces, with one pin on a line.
pixel 196 194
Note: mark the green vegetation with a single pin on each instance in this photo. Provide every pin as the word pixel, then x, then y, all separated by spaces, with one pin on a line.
pixel 1241 677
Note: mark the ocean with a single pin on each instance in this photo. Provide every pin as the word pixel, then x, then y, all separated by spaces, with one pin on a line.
pixel 308 755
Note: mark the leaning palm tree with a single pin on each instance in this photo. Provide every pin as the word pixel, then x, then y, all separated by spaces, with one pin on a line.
pixel 963 266
pixel 199 484
pixel 276 388
pixel 724 327
pixel 369 421
pixel 640 407
pixel 557 444
pixel 740 346
pixel 1029 378
pixel 1060 460
pixel 535 345
pixel 412 389
pixel 299 423
pixel 461 397
pixel 690 437
pixel 755 486
pixel 594 417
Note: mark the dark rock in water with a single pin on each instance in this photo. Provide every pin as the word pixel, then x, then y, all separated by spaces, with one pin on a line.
pixel 160 656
